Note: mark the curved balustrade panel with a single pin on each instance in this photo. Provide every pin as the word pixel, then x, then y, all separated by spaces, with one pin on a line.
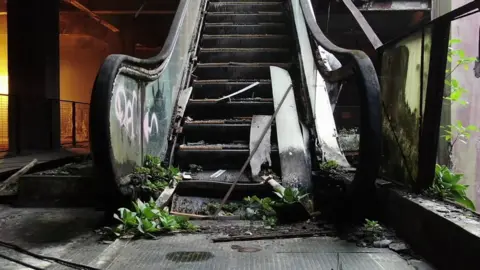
pixel 133 99
pixel 369 87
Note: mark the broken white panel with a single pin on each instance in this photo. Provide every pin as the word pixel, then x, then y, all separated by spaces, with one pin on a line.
pixel 331 63
pixel 259 124
pixel 291 147
pixel 325 127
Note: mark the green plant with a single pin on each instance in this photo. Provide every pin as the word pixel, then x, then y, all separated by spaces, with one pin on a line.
pixel 446 186
pixel 372 226
pixel 291 195
pixel 228 208
pixel 457 132
pixel 446 182
pixel 328 166
pixel 261 209
pixel 147 219
pixel 153 177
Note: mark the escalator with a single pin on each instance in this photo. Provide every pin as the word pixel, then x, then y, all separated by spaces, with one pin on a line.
pixel 185 105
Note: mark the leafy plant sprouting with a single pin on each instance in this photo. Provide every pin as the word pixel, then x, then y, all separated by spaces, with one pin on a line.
pixel 157 177
pixel 446 186
pixel 291 195
pixel 147 219
pixel 261 209
pixel 372 228
pixel 446 182
pixel 228 208
pixel 329 166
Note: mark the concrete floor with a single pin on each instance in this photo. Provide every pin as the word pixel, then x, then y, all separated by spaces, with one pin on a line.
pixel 69 234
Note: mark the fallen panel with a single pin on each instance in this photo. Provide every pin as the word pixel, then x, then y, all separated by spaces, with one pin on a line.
pixel 293 162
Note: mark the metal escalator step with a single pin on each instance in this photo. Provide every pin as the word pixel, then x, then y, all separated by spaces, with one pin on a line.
pixel 215 157
pixel 258 55
pixel 242 7
pixel 247 18
pixel 220 131
pixel 236 71
pixel 221 88
pixel 210 109
pixel 245 41
pixel 245 29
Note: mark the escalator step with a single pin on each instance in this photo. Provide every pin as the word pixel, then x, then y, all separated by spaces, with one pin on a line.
pixel 221 88
pixel 214 157
pixel 245 41
pixel 248 18
pixel 220 131
pixel 236 71
pixel 244 7
pixel 250 55
pixel 210 109
pixel 245 29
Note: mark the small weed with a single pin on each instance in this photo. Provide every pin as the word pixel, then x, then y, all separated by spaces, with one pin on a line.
pixel 228 208
pixel 446 186
pixel 329 166
pixel 372 229
pixel 261 209
pixel 147 220
pixel 291 195
pixel 152 178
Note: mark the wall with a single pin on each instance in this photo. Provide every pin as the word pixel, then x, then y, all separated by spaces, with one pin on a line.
pixel 466 157
pixel 80 58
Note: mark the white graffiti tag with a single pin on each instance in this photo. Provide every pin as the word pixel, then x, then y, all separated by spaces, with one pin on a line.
pixel 124 111
pixel 148 126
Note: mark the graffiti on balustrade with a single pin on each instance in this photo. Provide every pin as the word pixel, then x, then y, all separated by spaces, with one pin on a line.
pixel 124 111
pixel 150 125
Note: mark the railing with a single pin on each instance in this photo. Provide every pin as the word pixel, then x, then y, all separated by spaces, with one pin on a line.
pixel 133 100
pixel 74 122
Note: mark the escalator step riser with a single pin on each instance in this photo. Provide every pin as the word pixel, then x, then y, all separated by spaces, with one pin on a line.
pixel 244 55
pixel 248 7
pixel 209 90
pixel 221 110
pixel 226 133
pixel 260 29
pixel 218 159
pixel 246 41
pixel 277 17
pixel 232 72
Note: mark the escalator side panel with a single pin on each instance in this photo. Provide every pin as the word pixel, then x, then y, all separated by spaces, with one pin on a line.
pixel 133 100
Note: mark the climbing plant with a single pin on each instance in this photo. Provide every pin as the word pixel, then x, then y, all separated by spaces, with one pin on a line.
pixel 446 183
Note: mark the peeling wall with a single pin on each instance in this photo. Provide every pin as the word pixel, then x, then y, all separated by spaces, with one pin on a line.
pixel 466 157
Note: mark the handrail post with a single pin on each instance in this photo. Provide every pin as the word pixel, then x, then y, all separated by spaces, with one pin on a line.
pixel 74 128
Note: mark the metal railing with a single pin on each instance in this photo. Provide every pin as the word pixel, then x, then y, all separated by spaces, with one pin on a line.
pixel 74 123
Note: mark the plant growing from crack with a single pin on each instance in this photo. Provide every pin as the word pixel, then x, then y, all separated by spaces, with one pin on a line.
pixel 147 220
pixel 264 209
pixel 329 166
pixel 152 178
pixel 372 229
pixel 446 183
pixel 261 209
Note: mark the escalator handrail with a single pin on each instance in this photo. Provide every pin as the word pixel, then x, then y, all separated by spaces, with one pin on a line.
pixel 150 68
pixel 369 87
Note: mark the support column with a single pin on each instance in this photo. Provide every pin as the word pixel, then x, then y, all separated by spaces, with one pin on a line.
pixel 33 67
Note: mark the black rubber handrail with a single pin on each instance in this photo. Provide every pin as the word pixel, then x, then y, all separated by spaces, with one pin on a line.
pixel 143 70
pixel 370 104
